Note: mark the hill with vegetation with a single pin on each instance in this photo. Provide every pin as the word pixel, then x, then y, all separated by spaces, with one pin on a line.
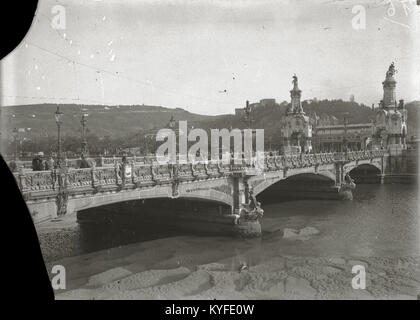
pixel 116 127
pixel 115 121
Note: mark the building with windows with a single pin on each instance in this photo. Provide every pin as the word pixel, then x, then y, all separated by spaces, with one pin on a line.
pixel 240 112
pixel 335 138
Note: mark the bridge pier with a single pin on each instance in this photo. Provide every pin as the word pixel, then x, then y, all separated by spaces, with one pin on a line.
pixel 244 225
pixel 344 187
pixel 225 224
pixel 339 173
pixel 248 229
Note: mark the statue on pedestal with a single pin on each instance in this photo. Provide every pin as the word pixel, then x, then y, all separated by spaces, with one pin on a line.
pixel 391 70
pixel 346 188
pixel 295 81
pixel 251 210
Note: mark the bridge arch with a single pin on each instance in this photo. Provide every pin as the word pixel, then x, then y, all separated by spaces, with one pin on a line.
pixel 153 216
pixel 365 172
pixel 323 176
pixel 78 203
pixel 308 185
pixel 368 166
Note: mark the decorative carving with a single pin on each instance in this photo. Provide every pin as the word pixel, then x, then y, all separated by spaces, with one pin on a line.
pixel 198 170
pixel 346 188
pixel 250 211
pixel 213 170
pixel 161 174
pixel 143 174
pixel 175 189
pixel 184 172
pixel 105 176
pixel 61 201
pixel 391 70
pixel 79 178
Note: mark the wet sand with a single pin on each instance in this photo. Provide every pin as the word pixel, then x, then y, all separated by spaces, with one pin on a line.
pixel 307 251
pixel 175 269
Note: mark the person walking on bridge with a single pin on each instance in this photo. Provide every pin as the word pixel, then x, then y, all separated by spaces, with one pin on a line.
pixel 49 164
pixel 84 163
pixel 37 164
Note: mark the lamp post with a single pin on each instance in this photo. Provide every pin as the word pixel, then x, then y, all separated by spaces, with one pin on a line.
pixel 247 117
pixel 15 138
pixel 83 121
pixel 59 121
pixel 345 133
pixel 146 144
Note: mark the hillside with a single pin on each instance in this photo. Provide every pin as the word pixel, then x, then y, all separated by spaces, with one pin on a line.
pixel 113 127
pixel 268 117
pixel 115 121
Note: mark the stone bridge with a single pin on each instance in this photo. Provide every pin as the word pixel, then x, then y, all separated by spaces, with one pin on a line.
pixel 49 194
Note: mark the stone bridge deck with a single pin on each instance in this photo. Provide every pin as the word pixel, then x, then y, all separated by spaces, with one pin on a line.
pixel 68 190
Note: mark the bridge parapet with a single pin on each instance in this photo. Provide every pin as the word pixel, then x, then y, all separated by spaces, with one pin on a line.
pixel 104 176
pixel 184 172
pixel 142 175
pixel 212 169
pixel 79 178
pixel 199 170
pixel 36 180
pixel 151 174
pixel 147 160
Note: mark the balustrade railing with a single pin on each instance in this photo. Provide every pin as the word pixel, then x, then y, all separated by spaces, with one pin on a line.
pixel 143 173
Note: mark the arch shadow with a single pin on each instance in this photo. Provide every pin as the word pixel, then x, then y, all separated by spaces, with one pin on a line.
pixel 365 173
pixel 297 187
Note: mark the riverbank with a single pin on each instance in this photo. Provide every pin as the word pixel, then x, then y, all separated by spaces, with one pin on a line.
pixel 59 238
pixel 154 270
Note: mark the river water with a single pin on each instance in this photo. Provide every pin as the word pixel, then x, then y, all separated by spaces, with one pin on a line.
pixel 382 220
pixel 307 250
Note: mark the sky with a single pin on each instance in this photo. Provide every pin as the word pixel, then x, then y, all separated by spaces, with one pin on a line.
pixel 209 57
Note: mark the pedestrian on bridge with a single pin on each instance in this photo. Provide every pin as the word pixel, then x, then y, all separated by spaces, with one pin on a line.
pixel 49 164
pixel 37 164
pixel 124 169
pixel 84 163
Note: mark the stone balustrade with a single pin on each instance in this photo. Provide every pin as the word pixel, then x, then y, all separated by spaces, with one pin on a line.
pixel 143 173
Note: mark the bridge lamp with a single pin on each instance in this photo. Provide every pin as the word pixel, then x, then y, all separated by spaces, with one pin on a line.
pixel 345 132
pixel 59 120
pixel 83 121
pixel 15 138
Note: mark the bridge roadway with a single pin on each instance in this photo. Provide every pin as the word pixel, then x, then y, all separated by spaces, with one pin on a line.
pixel 49 194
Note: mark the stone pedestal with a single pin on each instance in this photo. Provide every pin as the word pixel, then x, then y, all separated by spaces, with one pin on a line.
pixel 247 229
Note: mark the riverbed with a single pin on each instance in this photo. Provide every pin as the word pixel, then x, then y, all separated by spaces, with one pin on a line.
pixel 307 251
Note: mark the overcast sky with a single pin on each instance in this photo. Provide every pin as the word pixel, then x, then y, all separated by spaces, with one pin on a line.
pixel 211 56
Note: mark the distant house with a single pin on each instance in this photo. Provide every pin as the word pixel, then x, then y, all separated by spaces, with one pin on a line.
pixel 240 112
pixel 327 120
pixel 267 102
